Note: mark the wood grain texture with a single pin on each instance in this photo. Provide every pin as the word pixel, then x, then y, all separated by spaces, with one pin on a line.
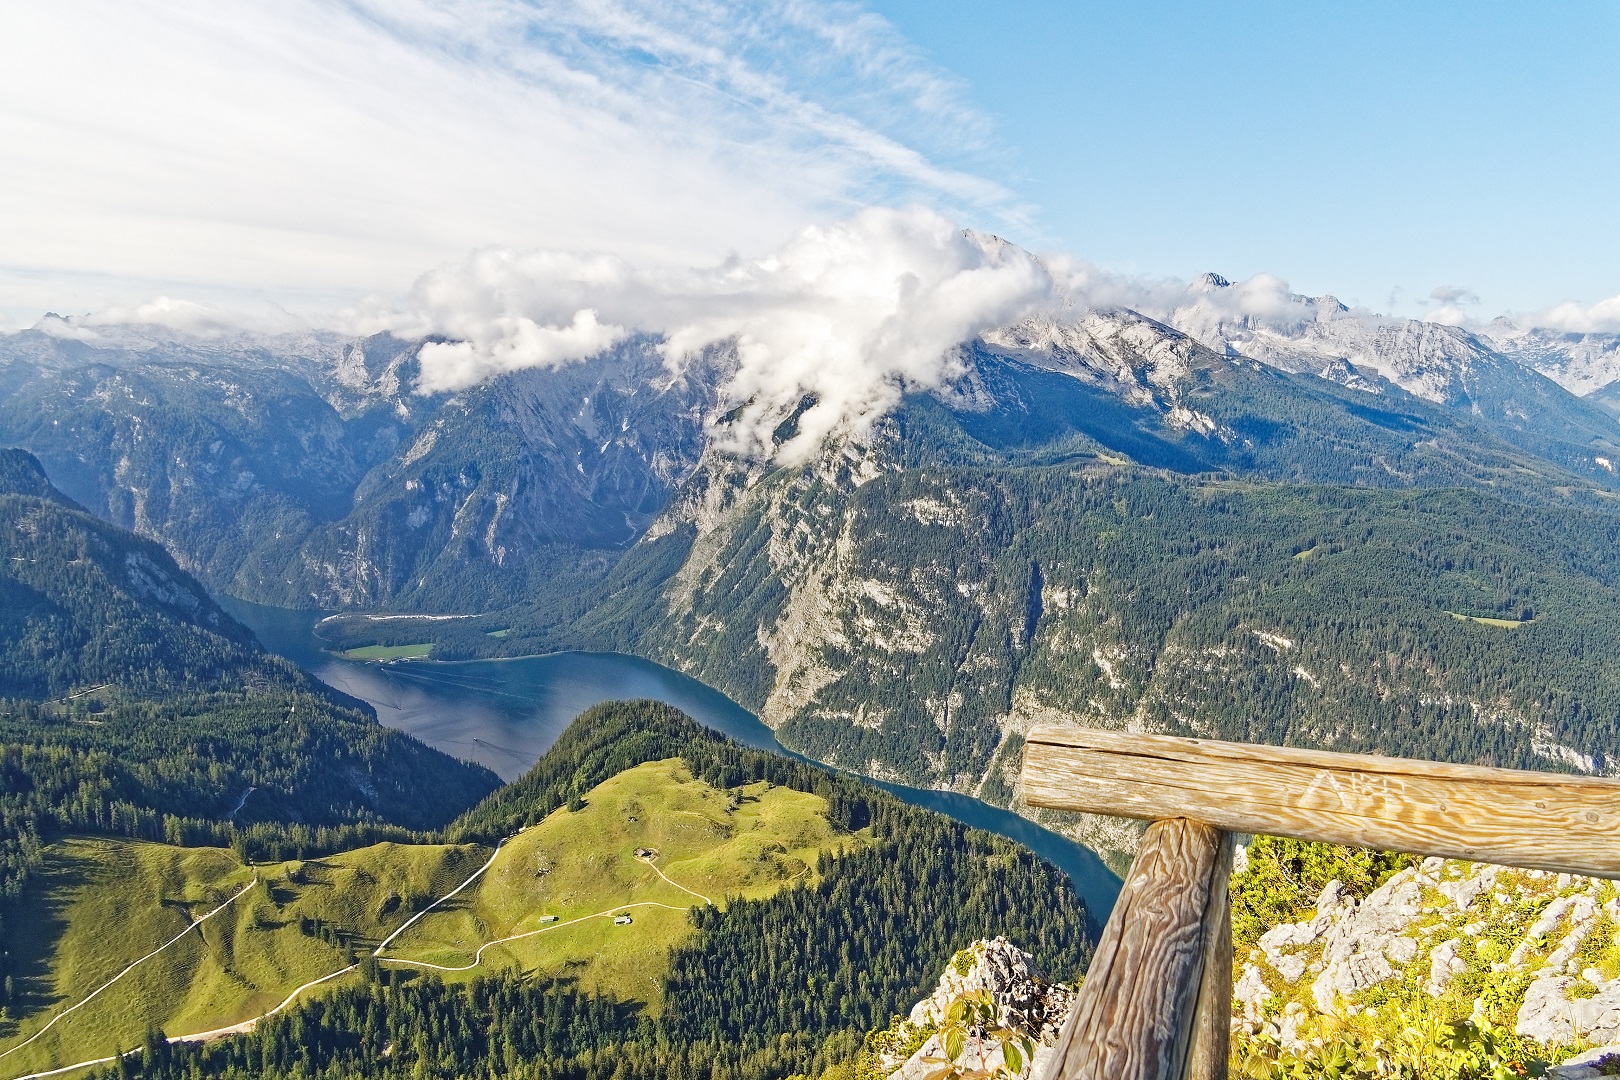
pixel 1538 820
pixel 1212 1016
pixel 1133 1017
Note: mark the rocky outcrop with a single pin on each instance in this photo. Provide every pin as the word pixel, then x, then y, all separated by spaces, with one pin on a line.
pixel 1592 1065
pixel 1027 1004
pixel 1552 1014
pixel 1521 949
pixel 1365 942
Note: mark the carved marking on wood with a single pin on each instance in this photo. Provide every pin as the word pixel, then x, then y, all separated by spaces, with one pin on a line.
pixel 1518 818
pixel 1359 791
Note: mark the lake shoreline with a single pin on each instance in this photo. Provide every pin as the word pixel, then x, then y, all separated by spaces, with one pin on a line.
pixel 505 712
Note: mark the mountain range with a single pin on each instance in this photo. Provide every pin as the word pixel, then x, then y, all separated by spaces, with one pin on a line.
pixel 1306 524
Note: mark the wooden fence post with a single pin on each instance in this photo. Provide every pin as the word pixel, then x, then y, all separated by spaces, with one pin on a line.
pixel 1212 1018
pixel 1134 1018
pixel 1156 1004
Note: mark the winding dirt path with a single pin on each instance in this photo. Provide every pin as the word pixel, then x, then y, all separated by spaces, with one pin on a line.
pixel 81 1065
pixel 478 957
pixel 247 1025
pixel 65 1013
pixel 677 884
pixel 476 874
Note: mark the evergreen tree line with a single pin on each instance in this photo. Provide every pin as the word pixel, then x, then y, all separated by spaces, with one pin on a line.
pixel 85 603
pixel 132 705
pixel 174 770
pixel 403 1027
pixel 179 770
pixel 614 736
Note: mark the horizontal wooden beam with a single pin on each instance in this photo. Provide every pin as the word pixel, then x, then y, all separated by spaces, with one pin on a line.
pixel 1544 821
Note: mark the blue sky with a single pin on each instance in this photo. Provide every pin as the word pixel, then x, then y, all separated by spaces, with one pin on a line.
pixel 1353 148
pixel 303 155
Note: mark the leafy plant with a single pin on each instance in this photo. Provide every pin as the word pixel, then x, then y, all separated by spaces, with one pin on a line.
pixel 974 1018
pixel 1284 878
pixel 1419 1045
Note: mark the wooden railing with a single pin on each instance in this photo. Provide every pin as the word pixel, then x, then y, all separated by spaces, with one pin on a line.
pixel 1156 1003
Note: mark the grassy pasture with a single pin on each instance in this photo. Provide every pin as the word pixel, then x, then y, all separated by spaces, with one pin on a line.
pixel 389 652
pixel 102 903
pixel 582 866
pixel 1506 624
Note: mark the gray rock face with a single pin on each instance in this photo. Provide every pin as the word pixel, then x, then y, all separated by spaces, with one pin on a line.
pixel 1587 1066
pixel 1251 992
pixel 1359 948
pixel 1466 890
pixel 1549 1015
pixel 1028 1004
pixel 1551 1012
pixel 1293 936
pixel 1445 964
pixel 1468 925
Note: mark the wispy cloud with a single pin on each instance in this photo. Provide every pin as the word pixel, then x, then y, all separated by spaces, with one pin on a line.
pixel 313 149
pixel 1572 317
pixel 1449 304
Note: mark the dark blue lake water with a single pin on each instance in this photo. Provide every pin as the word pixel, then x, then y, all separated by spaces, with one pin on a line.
pixel 505 714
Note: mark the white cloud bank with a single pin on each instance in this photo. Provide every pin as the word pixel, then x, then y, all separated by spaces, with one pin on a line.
pixel 1267 300
pixel 311 152
pixel 1570 317
pixel 853 313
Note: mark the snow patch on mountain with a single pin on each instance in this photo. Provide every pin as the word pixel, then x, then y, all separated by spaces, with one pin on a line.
pixel 1321 336
pixel 1580 363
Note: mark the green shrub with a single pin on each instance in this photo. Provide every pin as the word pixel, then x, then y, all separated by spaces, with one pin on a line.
pixel 1285 877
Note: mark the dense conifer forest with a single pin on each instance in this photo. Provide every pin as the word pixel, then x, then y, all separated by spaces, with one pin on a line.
pixel 132 705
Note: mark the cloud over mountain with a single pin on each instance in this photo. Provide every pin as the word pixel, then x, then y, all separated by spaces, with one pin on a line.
pixel 849 315
pixel 1572 317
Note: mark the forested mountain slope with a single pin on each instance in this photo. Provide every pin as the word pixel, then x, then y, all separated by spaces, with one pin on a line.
pixel 306 471
pixel 86 603
pixel 1584 363
pixel 1528 381
pixel 1104 519
pixel 1327 421
pixel 130 703
pixel 781 974
pixel 910 620
pixel 304 480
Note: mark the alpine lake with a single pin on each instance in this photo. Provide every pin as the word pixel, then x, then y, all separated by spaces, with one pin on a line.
pixel 504 714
